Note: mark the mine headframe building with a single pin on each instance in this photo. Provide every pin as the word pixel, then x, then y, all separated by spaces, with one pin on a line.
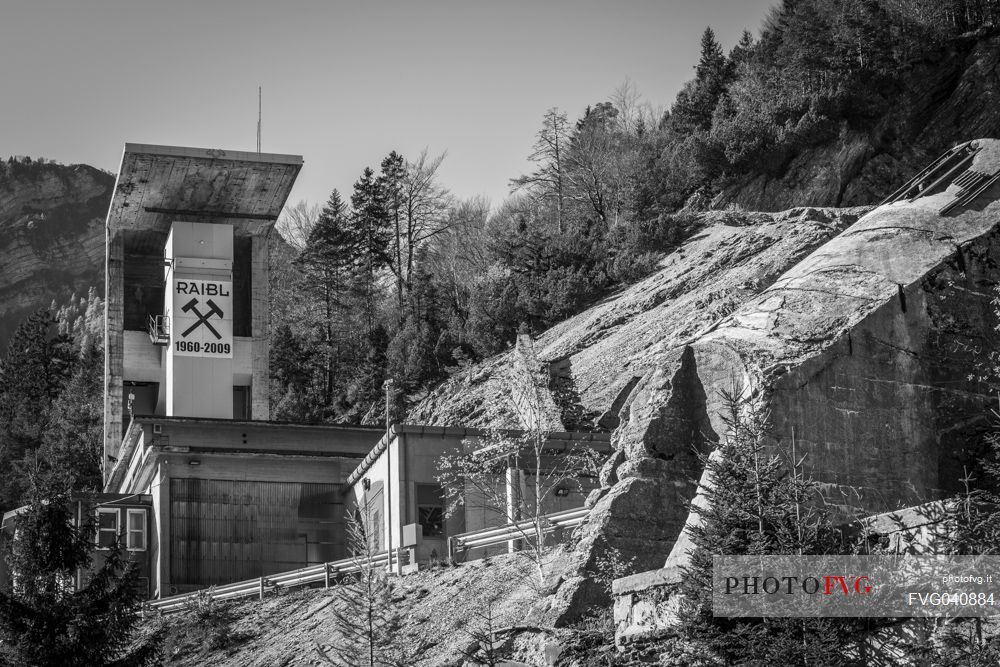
pixel 228 494
pixel 187 284
pixel 186 423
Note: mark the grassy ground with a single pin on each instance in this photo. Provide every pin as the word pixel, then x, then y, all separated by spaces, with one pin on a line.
pixel 444 607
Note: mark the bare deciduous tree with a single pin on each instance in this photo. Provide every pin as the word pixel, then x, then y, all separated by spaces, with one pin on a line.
pixel 490 473
pixel 297 222
pixel 459 254
pixel 549 154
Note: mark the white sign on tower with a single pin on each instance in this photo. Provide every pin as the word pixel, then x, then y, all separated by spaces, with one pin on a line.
pixel 202 318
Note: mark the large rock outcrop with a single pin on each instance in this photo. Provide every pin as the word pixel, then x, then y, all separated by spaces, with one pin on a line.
pixel 51 236
pixel 607 350
pixel 869 354
pixel 866 339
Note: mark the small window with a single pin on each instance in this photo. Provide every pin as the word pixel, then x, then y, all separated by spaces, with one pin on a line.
pixel 136 538
pixel 430 509
pixel 375 532
pixel 432 520
pixel 107 528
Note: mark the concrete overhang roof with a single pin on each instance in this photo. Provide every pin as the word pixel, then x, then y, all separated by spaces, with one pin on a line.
pixel 159 184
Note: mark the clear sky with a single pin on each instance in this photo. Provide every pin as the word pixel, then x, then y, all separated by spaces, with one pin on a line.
pixel 344 82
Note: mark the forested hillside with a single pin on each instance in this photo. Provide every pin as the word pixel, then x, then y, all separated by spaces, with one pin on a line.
pixel 832 103
pixel 51 235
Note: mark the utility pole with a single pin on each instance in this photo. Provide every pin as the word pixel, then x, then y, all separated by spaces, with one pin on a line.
pixel 388 476
pixel 260 96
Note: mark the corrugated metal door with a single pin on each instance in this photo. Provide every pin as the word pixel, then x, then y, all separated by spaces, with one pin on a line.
pixel 223 531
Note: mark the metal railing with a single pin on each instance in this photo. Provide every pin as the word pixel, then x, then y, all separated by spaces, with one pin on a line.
pixel 329 572
pixel 159 329
pixel 325 572
pixel 488 537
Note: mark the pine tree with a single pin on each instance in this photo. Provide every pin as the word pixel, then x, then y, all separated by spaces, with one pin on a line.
pixel 390 186
pixel 754 504
pixel 742 52
pixel 293 361
pixel 697 100
pixel 549 156
pixel 38 364
pixel 73 440
pixel 328 274
pixel 370 227
pixel 369 622
pixel 43 621
pixel 712 62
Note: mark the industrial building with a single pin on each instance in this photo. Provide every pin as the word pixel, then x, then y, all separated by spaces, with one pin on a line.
pixel 229 494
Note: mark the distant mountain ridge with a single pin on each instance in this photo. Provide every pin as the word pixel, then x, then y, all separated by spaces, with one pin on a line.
pixel 51 235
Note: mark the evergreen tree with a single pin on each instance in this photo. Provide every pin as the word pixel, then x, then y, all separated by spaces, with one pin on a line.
pixel 370 227
pixel 755 505
pixel 328 274
pixel 37 366
pixel 549 155
pixel 293 362
pixel 712 62
pixel 364 394
pixel 73 440
pixel 696 102
pixel 368 620
pixel 390 186
pixel 43 621
pixel 742 52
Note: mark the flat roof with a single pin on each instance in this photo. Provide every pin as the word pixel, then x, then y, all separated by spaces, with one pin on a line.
pixel 215 153
pixel 464 432
pixel 157 185
pixel 254 423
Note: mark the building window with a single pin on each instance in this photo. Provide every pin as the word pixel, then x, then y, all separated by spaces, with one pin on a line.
pixel 430 509
pixel 431 519
pixel 107 528
pixel 376 530
pixel 136 536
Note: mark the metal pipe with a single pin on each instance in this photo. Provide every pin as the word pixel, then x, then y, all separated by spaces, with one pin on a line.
pixel 388 477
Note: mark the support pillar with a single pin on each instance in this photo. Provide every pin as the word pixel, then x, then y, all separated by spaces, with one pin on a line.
pixel 260 325
pixel 114 344
pixel 514 498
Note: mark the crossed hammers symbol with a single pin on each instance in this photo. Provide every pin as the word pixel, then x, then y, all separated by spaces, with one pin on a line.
pixel 202 319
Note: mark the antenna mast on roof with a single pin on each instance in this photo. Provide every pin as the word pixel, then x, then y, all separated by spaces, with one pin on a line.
pixel 259 96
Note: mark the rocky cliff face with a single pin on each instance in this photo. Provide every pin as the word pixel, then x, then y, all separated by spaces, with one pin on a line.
pixel 607 350
pixel 865 345
pixel 631 364
pixel 955 101
pixel 51 236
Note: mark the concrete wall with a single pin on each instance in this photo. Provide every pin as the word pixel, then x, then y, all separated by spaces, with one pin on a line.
pixel 891 414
